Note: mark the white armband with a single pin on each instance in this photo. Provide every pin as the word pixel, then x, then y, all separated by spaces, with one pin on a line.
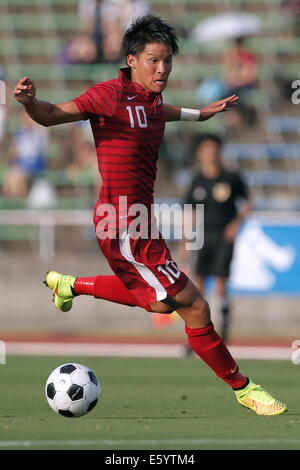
pixel 187 114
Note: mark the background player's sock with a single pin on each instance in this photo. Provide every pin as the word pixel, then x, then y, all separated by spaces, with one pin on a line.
pixel 107 288
pixel 208 345
pixel 225 315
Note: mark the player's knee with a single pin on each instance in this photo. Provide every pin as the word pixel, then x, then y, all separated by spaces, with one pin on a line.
pixel 199 311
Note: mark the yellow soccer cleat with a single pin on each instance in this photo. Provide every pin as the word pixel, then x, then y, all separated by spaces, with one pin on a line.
pixel 61 286
pixel 258 400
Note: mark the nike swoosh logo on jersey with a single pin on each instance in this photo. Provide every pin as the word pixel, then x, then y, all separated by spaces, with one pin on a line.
pixel 131 97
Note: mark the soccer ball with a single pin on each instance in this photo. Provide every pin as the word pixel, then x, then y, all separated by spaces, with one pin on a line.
pixel 72 390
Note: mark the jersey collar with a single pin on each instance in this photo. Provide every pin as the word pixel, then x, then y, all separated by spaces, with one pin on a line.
pixel 125 78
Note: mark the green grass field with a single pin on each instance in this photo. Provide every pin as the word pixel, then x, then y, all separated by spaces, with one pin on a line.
pixel 147 404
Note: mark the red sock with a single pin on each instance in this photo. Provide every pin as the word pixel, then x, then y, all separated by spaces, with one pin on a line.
pixel 208 345
pixel 107 288
pixel 84 285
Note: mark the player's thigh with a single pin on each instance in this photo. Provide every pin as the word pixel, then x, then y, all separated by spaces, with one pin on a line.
pixel 200 281
pixel 187 296
pixel 146 268
pixel 183 299
pixel 192 307
pixel 189 304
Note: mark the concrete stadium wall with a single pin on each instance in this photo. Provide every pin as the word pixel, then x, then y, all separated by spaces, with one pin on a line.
pixel 26 307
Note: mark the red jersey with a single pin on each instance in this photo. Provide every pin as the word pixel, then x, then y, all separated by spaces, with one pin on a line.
pixel 128 126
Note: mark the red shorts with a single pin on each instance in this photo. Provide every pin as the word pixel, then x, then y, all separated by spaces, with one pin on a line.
pixel 144 266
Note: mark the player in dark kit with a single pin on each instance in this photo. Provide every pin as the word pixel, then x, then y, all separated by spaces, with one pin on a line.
pixel 128 116
pixel 226 202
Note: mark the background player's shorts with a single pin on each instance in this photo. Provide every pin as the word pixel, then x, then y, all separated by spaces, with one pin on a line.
pixel 215 257
pixel 145 267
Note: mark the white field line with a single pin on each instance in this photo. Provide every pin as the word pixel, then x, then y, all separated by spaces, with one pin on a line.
pixel 261 352
pixel 93 349
pixel 135 350
pixel 147 442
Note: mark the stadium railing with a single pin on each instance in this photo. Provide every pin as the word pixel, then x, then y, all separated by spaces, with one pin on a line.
pixel 46 221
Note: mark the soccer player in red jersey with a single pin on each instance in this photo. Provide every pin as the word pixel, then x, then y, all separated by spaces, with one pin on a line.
pixel 128 116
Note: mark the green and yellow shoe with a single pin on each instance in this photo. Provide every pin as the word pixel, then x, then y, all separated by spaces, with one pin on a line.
pixel 61 286
pixel 258 400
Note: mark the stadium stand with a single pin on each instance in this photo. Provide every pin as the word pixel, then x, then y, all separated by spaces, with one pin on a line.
pixel 33 34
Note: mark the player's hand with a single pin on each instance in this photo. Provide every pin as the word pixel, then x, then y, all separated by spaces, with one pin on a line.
pixel 231 230
pixel 24 91
pixel 218 107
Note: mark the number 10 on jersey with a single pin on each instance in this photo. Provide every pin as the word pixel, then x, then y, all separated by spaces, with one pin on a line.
pixel 137 115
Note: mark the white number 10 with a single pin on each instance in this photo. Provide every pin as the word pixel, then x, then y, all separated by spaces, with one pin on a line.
pixel 170 270
pixel 140 115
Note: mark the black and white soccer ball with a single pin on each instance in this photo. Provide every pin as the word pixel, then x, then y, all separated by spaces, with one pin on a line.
pixel 72 390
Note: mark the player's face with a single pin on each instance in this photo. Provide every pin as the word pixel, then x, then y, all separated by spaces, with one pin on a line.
pixel 208 153
pixel 151 67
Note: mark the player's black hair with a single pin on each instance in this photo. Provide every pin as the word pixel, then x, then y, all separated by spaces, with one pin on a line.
pixel 203 137
pixel 148 29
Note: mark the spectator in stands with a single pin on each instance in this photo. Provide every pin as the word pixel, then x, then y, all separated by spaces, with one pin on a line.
pixel 131 9
pixel 81 50
pixel 220 191
pixel 240 67
pixel 240 74
pixel 292 9
pixel 290 18
pixel 100 19
pixel 105 21
pixel 82 166
pixel 28 157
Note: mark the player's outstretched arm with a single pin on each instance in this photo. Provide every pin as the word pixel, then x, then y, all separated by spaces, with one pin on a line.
pixel 42 112
pixel 218 107
pixel 175 113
